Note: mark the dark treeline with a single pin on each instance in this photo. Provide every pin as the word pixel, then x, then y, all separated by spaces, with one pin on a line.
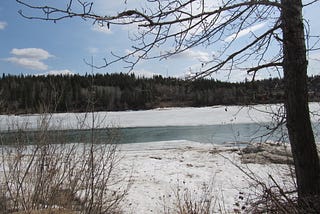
pixel 34 94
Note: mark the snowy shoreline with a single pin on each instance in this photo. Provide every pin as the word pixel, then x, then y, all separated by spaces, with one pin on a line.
pixel 159 169
pixel 188 116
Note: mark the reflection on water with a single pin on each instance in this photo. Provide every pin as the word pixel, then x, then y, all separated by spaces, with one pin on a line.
pixel 218 134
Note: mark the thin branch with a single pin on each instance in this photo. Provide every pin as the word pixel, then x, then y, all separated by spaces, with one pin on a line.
pixel 218 11
pixel 267 65
pixel 310 3
pixel 159 28
pixel 236 53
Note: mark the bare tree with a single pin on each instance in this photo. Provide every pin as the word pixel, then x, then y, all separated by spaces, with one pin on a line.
pixel 281 47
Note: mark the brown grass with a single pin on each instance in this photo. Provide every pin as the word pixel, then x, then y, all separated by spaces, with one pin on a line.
pixel 78 178
pixel 47 211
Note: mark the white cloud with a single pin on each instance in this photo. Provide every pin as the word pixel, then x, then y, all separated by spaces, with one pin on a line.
pixel 32 53
pixel 245 32
pixel 30 58
pixel 57 72
pixel 194 54
pixel 102 29
pixel 3 25
pixel 28 63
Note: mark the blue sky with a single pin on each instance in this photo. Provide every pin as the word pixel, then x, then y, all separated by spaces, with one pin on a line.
pixel 38 47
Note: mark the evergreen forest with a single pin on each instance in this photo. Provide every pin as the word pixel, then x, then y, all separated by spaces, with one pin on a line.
pixel 114 92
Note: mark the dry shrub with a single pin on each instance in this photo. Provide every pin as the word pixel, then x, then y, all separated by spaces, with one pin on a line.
pixel 47 211
pixel 42 177
pixel 272 197
pixel 186 201
pixel 275 200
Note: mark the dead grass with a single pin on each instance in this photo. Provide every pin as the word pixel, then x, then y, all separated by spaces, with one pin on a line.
pixel 186 201
pixel 48 211
pixel 76 178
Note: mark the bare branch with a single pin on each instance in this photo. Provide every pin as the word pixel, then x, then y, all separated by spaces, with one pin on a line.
pixel 268 65
pixel 197 27
pixel 217 11
pixel 310 3
pixel 231 57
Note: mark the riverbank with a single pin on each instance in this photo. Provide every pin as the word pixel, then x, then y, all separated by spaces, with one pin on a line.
pixel 164 171
pixel 162 176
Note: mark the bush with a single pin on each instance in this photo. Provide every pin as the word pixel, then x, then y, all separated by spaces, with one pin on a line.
pixel 59 177
pixel 186 201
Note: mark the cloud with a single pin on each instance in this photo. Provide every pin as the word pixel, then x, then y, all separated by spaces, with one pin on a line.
pixel 64 72
pixel 3 25
pixel 30 58
pixel 101 29
pixel 28 63
pixel 192 54
pixel 32 53
pixel 245 32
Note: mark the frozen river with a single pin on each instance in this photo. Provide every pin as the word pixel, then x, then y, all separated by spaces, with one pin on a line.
pixel 217 124
pixel 236 134
pixel 216 134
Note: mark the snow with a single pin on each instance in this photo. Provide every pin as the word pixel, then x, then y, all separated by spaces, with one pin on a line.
pixel 214 115
pixel 160 169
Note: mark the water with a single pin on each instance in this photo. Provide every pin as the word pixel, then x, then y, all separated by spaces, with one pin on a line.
pixel 218 134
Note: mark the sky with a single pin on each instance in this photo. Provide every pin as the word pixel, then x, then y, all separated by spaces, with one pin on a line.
pixel 36 47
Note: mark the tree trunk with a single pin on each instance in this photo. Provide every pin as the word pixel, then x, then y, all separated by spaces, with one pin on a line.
pixel 304 150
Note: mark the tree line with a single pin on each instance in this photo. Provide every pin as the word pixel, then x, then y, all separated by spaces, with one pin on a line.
pixel 117 91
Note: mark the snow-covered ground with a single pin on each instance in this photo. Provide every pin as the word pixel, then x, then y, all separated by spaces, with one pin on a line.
pixel 214 115
pixel 161 172
pixel 160 169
